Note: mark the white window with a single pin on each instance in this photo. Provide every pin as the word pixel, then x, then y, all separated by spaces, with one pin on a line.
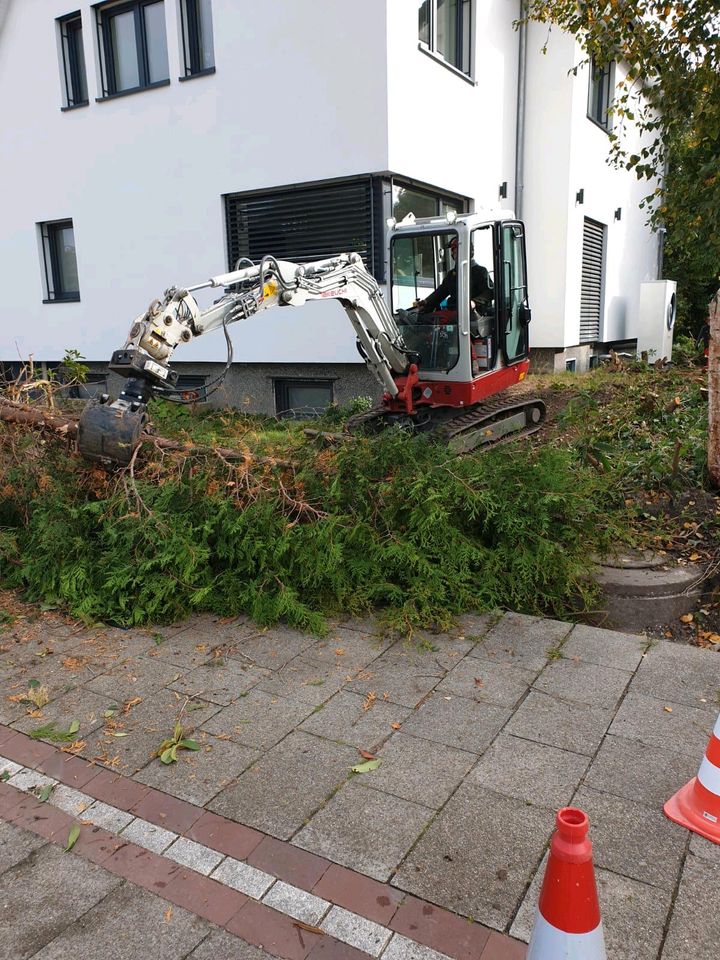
pixel 445 28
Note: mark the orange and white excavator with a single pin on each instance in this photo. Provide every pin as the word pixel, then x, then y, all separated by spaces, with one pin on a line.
pixel 449 340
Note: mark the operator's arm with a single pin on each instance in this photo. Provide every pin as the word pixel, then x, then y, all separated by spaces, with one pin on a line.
pixel 446 289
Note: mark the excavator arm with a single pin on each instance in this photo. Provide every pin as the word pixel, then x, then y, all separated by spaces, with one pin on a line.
pixel 110 431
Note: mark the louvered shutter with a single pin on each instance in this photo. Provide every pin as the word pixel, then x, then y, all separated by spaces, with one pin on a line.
pixel 592 281
pixel 305 223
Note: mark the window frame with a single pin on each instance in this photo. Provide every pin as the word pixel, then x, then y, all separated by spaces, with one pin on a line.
pixel 465 35
pixel 190 36
pixel 607 77
pixel 54 292
pixel 71 34
pixel 104 12
pixel 281 386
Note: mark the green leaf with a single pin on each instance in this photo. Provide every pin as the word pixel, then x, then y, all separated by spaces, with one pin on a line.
pixel 110 713
pixel 178 732
pixel 189 744
pixel 74 726
pixel 366 767
pixel 72 837
pixel 33 684
pixel 44 794
pixel 5 775
pixel 117 734
pixel 169 755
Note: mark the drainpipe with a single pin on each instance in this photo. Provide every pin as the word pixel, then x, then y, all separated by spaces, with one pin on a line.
pixel 520 119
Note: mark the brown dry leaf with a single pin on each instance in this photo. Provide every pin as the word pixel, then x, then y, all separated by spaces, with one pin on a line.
pixel 479 682
pixel 669 634
pixel 687 618
pixel 365 755
pixel 308 926
pixel 370 698
pixel 74 663
pixel 396 726
pixel 77 746
pixel 223 736
pixel 168 914
pixel 694 556
pixel 668 709
pixel 201 647
pixel 339 651
pixel 129 704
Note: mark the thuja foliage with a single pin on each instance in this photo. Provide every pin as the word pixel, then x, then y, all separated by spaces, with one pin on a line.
pixel 390 523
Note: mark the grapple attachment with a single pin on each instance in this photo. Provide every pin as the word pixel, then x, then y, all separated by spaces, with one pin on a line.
pixel 111 432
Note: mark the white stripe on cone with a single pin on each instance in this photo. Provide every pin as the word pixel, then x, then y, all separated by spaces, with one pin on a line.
pixel 716 729
pixel 549 943
pixel 709 776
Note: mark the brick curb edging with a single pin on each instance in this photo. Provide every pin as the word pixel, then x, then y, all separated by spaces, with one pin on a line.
pixel 259 924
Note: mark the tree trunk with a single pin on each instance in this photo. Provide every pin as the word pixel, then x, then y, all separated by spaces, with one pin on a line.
pixel 714 391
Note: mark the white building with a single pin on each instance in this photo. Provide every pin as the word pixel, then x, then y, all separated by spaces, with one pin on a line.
pixel 153 142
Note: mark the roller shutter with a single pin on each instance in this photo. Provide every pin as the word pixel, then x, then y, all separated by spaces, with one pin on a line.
pixel 308 223
pixel 592 281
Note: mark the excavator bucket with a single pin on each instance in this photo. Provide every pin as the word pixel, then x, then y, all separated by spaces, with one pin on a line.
pixel 110 434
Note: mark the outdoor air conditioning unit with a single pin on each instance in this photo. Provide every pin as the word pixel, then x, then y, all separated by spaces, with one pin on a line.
pixel 656 319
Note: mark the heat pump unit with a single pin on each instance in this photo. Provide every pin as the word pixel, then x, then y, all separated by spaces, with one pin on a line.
pixel 656 320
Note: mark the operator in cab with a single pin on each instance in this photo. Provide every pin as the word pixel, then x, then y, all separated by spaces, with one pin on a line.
pixel 481 291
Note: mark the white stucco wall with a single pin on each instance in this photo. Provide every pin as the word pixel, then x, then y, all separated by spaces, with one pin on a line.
pixel 295 98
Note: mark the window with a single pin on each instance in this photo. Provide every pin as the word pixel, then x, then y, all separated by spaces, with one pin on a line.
pixel 133 46
pixel 94 385
pixel 197 35
pixel 600 93
pixel 309 222
pixel 299 399
pixel 444 28
pixel 59 262
pixel 571 365
pixel 192 386
pixel 75 93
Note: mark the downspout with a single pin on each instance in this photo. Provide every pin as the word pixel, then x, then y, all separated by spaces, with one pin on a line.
pixel 520 119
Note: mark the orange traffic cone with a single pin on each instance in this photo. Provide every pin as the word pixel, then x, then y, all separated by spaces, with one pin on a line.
pixel 568 924
pixel 697 804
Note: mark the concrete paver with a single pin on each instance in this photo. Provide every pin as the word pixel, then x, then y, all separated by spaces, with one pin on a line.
pixel 522 640
pixel 420 770
pixel 16 845
pixel 406 677
pixel 359 721
pixel 680 674
pixel 659 723
pixel 560 723
pixel 222 946
pixel 259 719
pixel 581 682
pixel 608 648
pixel 695 922
pixel 499 683
pixel 364 829
pixel 457 722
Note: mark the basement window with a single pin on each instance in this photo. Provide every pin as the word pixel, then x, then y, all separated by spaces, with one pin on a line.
pixel 300 399
pixel 133 46
pixel 59 261
pixel 74 76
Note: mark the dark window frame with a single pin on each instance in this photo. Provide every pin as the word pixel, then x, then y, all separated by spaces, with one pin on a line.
pixel 192 383
pixel 282 385
pixel 463 35
pixel 190 33
pixel 601 85
pixel 49 230
pixel 74 73
pixel 104 13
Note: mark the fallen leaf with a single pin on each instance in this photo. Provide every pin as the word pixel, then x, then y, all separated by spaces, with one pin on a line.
pixel 370 698
pixel 44 794
pixel 168 914
pixel 339 651
pixel 479 682
pixel 687 618
pixel 308 926
pixel 365 755
pixel 668 709
pixel 366 767
pixel 129 704
pixel 72 837
pixel 396 726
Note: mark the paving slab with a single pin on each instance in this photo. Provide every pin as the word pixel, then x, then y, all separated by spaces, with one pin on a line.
pixel 199 775
pixel 31 911
pixel 270 647
pixel 522 640
pixel 503 684
pixel 444 649
pixel 680 674
pixel 280 792
pixel 582 682
pixel 560 723
pixel 130 922
pixel 633 840
pixel 306 679
pixel 475 625
pixel 530 771
pixel 659 723
pixel 259 719
pixel 472 861
pixel 220 945
pixel 695 922
pixel 16 845
pixel 349 650
pixel 405 676
pixel 79 704
pixel 184 650
pixel 364 829
pixel 420 770
pixel 700 847
pixel 458 722
pixel 222 681
pixel 351 718
pixel 633 914
pixel 608 648
pixel 135 678
pixel 127 754
pixel 627 768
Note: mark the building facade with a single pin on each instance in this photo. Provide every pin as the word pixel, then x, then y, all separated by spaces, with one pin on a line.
pixel 148 143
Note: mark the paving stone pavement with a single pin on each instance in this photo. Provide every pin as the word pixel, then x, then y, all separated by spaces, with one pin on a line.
pixel 482 734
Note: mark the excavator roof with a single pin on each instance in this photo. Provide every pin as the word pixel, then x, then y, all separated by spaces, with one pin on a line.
pixel 411 222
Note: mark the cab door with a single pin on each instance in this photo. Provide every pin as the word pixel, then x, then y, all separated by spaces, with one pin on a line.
pixel 514 306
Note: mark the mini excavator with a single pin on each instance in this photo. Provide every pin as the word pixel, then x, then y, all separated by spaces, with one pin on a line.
pixel 451 341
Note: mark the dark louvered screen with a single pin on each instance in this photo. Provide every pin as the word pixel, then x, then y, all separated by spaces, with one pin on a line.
pixel 306 223
pixel 592 281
